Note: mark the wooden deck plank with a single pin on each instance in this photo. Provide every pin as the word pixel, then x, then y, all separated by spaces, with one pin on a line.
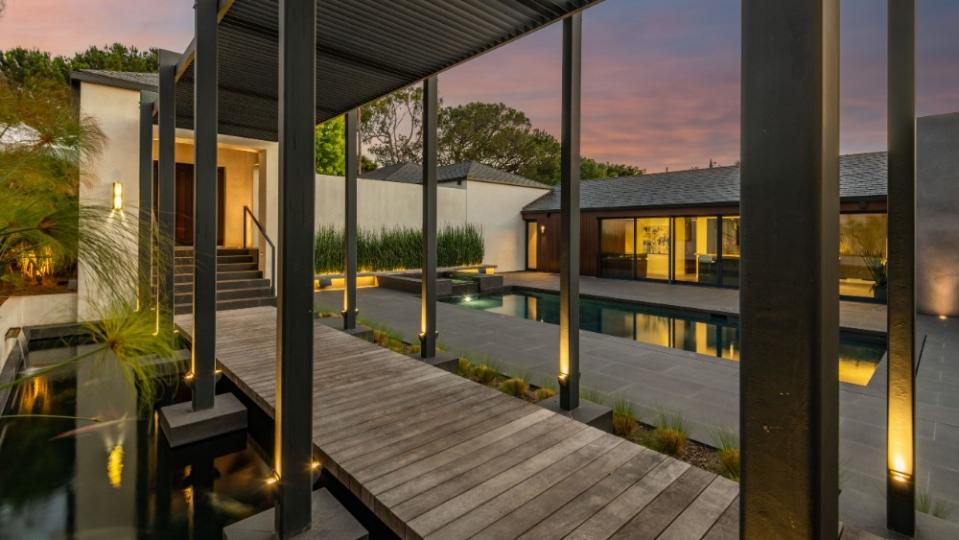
pixel 699 517
pixel 594 499
pixel 727 526
pixel 435 455
pixel 539 508
pixel 654 519
pixel 469 524
pixel 620 510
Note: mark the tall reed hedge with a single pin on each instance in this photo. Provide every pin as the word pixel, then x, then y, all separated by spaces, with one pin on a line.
pixel 396 248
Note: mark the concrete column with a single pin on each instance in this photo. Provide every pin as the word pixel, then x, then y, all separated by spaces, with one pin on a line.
pixel 205 82
pixel 166 186
pixel 428 294
pixel 352 171
pixel 145 301
pixel 569 215
pixel 901 303
pixel 788 297
pixel 294 332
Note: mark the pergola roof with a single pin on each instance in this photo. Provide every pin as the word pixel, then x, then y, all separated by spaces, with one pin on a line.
pixel 365 49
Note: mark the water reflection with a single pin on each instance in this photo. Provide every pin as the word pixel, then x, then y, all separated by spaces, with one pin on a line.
pixel 697 332
pixel 75 478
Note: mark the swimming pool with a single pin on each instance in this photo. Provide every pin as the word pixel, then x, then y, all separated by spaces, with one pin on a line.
pixel 687 330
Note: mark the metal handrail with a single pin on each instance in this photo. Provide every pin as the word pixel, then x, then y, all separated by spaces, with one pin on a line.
pixel 259 226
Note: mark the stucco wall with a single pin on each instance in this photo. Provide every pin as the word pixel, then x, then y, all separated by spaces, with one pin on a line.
pixel 19 311
pixel 494 208
pixel 497 209
pixel 117 114
pixel 937 163
pixel 381 204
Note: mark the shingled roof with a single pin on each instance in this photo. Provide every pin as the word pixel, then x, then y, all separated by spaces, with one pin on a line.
pixel 861 176
pixel 466 170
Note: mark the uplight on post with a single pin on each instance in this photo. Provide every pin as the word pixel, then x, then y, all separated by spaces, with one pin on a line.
pixel 117 196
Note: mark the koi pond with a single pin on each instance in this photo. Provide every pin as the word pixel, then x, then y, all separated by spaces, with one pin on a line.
pixel 81 458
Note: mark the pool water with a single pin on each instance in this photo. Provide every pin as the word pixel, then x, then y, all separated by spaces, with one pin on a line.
pixel 687 330
pixel 117 478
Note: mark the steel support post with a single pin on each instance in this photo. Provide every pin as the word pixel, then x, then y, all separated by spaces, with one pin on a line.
pixel 901 303
pixel 569 215
pixel 789 305
pixel 352 171
pixel 166 187
pixel 203 351
pixel 145 300
pixel 428 293
pixel 294 332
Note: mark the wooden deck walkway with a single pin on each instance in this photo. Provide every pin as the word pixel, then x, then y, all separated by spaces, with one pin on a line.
pixel 434 455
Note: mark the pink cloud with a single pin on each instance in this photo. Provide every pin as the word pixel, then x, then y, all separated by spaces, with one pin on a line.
pixel 68 26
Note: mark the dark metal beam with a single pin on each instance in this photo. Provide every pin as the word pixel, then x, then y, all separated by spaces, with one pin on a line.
pixel 145 300
pixel 204 205
pixel 352 171
pixel 901 303
pixel 569 215
pixel 294 332
pixel 428 293
pixel 789 305
pixel 166 186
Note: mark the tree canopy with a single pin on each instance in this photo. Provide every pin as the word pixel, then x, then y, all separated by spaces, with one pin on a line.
pixel 490 133
pixel 20 65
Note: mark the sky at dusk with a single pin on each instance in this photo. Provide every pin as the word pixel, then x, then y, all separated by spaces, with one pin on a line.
pixel 660 77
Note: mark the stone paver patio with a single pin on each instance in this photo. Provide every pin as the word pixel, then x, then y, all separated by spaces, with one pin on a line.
pixel 706 389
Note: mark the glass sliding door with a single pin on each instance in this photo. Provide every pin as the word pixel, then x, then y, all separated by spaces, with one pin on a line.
pixel 862 255
pixel 652 248
pixel 617 248
pixel 694 250
pixel 731 250
pixel 532 243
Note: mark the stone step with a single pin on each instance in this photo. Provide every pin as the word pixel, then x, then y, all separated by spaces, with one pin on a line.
pixel 220 259
pixel 258 283
pixel 230 294
pixel 187 251
pixel 228 267
pixel 222 276
pixel 231 304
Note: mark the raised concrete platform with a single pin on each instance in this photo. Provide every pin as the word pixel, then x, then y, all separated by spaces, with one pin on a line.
pixel 589 413
pixel 336 323
pixel 330 522
pixel 443 360
pixel 182 425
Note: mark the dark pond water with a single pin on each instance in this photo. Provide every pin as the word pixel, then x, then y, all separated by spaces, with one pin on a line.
pixel 70 478
pixel 687 330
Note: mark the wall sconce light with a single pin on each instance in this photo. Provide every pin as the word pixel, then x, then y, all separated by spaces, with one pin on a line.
pixel 542 229
pixel 117 196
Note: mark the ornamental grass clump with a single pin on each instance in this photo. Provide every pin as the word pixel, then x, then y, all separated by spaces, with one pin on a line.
pixel 624 418
pixel 516 387
pixel 397 248
pixel 727 450
pixel 671 434
pixel 544 393
pixel 484 374
pixel 927 504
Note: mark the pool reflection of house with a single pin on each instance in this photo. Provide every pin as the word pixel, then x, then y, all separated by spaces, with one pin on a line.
pixel 683 227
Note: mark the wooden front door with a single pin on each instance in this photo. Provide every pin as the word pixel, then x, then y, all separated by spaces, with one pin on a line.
pixel 184 203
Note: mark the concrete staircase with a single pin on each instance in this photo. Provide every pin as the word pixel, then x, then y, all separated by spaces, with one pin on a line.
pixel 239 282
